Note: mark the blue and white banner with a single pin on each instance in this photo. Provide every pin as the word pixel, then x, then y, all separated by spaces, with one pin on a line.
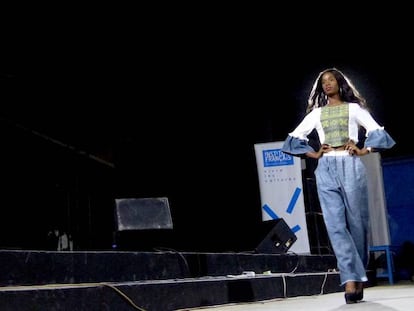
pixel 281 191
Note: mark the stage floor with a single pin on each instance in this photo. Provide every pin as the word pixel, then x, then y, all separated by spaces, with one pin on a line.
pixel 397 297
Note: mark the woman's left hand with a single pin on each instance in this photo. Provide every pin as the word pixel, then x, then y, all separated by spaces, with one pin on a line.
pixel 354 150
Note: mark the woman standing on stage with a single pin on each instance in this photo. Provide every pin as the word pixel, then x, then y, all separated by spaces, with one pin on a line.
pixel 337 112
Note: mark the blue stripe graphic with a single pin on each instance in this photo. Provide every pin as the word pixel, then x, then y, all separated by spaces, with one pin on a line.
pixel 270 212
pixel 293 201
pixel 295 228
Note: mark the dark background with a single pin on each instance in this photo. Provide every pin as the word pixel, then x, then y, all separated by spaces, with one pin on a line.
pixel 94 110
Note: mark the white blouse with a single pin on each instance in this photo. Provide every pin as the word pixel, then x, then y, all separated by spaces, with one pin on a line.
pixel 358 116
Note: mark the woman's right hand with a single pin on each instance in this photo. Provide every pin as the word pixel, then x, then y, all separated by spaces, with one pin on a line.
pixel 318 154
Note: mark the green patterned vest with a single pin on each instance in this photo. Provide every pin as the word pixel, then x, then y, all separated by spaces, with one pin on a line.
pixel 335 124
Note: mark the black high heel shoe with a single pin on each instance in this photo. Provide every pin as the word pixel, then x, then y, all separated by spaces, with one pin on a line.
pixel 360 294
pixel 352 297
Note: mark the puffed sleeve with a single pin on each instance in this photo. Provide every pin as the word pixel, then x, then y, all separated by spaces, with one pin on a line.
pixel 376 136
pixel 297 142
pixel 379 139
pixel 296 146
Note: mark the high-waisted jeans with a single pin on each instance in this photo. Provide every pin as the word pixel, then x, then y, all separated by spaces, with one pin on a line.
pixel 343 194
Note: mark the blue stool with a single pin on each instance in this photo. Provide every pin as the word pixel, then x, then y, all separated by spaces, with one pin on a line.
pixel 390 261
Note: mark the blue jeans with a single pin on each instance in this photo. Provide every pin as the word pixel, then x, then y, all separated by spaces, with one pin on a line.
pixel 343 194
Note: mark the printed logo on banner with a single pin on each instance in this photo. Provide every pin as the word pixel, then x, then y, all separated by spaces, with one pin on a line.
pixel 276 157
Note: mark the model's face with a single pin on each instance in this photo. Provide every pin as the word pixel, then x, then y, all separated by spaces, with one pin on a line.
pixel 329 84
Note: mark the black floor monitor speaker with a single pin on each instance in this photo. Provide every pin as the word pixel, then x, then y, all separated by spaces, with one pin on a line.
pixel 143 214
pixel 143 224
pixel 278 237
